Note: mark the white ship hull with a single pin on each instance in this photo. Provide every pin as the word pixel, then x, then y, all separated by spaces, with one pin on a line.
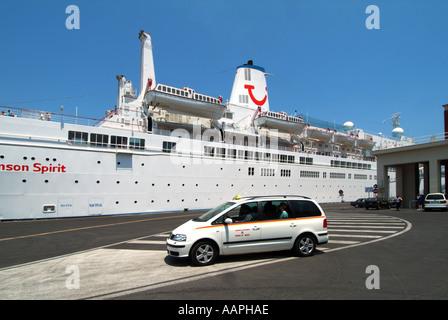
pixel 47 176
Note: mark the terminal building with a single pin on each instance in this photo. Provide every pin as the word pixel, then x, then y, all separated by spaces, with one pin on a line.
pixel 419 168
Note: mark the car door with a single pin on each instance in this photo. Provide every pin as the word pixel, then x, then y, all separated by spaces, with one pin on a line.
pixel 243 235
pixel 277 233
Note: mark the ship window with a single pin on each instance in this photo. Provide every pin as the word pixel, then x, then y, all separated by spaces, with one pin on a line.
pixel 78 138
pixel 251 171
pixel 283 158
pixel 228 115
pixel 285 173
pixel 99 140
pixel 119 142
pixel 221 152
pixel 244 98
pixel 168 146
pixel 137 144
pixel 209 151
pixel 247 74
pixel 231 153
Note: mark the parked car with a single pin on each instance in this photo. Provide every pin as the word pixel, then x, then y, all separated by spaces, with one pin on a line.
pixel 436 201
pixel 376 203
pixel 359 203
pixel 392 202
pixel 251 224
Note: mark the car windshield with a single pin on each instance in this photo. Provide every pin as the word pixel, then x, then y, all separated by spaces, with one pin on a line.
pixel 214 212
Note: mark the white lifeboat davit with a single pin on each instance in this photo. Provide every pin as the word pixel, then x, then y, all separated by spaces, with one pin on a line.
pixel 185 101
pixel 280 121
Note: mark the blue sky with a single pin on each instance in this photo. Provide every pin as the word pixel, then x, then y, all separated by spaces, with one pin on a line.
pixel 324 62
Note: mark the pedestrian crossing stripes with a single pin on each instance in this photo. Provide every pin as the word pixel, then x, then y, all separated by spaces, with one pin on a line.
pixel 356 229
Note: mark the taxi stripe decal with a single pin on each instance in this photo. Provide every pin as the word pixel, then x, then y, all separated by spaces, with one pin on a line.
pixel 257 240
pixel 261 221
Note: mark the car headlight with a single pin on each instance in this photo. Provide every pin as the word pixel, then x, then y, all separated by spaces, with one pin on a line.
pixel 179 237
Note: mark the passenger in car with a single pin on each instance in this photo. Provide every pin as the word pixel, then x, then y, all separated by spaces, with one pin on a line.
pixel 282 209
pixel 269 211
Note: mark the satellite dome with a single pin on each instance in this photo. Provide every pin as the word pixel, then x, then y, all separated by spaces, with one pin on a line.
pixel 397 132
pixel 348 126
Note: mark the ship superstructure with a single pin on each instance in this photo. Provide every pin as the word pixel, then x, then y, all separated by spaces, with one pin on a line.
pixel 169 149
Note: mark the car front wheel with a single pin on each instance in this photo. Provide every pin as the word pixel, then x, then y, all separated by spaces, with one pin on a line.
pixel 305 245
pixel 203 253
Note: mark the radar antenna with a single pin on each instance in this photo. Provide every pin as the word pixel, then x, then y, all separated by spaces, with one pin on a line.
pixel 395 117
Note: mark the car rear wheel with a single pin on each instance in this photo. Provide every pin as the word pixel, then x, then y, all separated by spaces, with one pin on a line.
pixel 305 245
pixel 203 253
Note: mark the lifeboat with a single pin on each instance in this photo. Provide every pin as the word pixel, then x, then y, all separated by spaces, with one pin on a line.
pixel 185 101
pixel 345 139
pixel 365 143
pixel 280 121
pixel 317 133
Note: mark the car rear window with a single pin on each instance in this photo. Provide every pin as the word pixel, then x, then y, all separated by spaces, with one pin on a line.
pixel 434 197
pixel 304 208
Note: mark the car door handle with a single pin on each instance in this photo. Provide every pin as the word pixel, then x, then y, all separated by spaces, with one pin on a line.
pixel 255 228
pixel 293 225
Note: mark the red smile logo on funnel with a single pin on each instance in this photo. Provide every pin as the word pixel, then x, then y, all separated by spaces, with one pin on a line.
pixel 251 94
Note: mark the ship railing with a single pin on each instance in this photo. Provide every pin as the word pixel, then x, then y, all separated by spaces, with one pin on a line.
pixel 281 116
pixel 47 116
pixel 405 141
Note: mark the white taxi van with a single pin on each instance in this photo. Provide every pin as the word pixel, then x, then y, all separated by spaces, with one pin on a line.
pixel 251 224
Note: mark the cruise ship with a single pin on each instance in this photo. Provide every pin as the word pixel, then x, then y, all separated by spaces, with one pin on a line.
pixel 175 149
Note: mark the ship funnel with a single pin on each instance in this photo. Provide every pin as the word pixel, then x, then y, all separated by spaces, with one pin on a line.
pixel 147 71
pixel 249 87
pixel 249 93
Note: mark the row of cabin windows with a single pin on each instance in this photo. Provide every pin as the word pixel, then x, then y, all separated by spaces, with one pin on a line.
pixel 348 164
pixel 102 140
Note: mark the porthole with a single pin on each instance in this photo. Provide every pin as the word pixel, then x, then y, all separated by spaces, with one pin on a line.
pixel 98 162
pixel 98 181
pixel 24 158
pixel 46 181
pixel 117 202
pixel 24 180
pixel 76 181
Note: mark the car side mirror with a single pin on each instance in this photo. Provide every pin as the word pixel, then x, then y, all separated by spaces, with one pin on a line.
pixel 228 221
